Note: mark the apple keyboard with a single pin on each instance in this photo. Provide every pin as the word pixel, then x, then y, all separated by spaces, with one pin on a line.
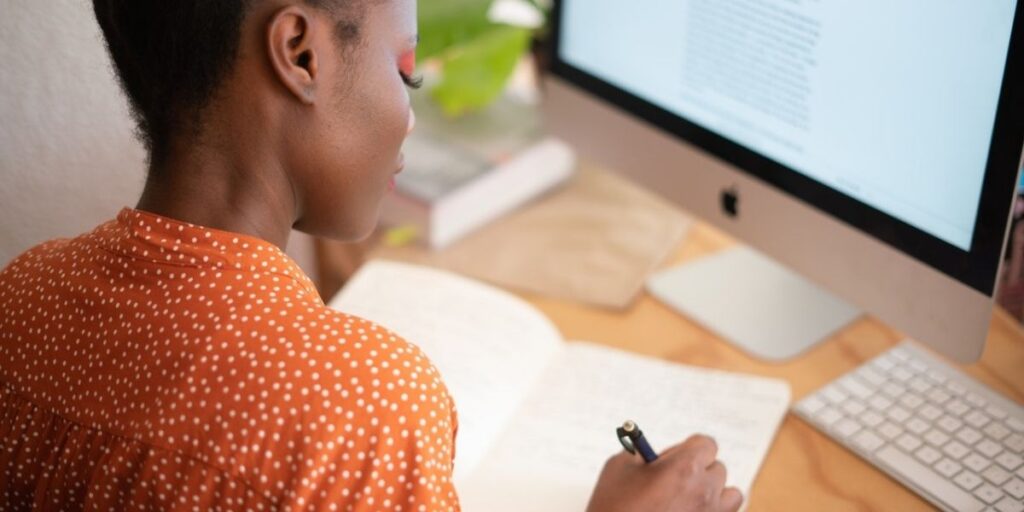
pixel 944 435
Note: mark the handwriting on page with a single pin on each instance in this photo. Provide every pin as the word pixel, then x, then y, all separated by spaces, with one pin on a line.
pixel 566 429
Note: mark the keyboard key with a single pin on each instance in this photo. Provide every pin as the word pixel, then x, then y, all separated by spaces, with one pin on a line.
pixel 996 431
pixel 811 404
pixel 988 448
pixel 868 441
pixel 890 431
pixel 930 412
pixel 853 408
pixel 911 401
pixel 834 395
pixel 899 355
pixel 884 363
pixel 1008 505
pixel 969 481
pixel 846 427
pixel 917 365
pixel 955 388
pixel 880 403
pixel 909 443
pixel 854 387
pixel 969 436
pixel 1015 443
pixel 1015 424
pixel 950 424
pixel 976 462
pixel 938 396
pixel 901 374
pixel 920 384
pixel 936 438
pixel 897 414
pixel 996 475
pixel 828 416
pixel 977 419
pixel 871 376
pixel 975 399
pixel 988 494
pixel 1009 461
pixel 1015 488
pixel 893 390
pixel 958 407
pixel 871 418
pixel 996 412
pixel 956 450
pixel 917 426
pixel 937 376
pixel 1020 473
pixel 948 468
pixel 930 455
pixel 928 480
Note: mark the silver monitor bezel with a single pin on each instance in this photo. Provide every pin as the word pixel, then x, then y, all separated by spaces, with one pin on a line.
pixel 906 277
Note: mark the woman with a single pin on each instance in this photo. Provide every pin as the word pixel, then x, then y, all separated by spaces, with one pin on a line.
pixel 175 358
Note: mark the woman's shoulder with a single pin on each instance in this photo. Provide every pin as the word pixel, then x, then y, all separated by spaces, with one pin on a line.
pixel 56 252
pixel 318 377
pixel 310 334
pixel 317 351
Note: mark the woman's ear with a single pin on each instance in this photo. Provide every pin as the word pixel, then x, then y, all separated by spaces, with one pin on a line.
pixel 292 53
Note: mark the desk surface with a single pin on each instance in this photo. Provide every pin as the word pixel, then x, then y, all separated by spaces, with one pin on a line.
pixel 804 470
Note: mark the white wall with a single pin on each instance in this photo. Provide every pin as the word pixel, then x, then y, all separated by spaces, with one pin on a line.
pixel 68 157
pixel 68 160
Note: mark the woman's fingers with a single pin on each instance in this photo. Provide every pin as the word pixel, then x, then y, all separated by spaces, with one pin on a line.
pixel 717 473
pixel 731 499
pixel 701 449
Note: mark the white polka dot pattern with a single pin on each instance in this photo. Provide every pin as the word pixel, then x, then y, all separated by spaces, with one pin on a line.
pixel 157 365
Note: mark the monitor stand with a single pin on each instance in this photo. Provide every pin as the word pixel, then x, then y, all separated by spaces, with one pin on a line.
pixel 753 302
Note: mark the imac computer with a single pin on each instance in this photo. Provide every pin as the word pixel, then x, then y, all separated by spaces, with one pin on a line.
pixel 870 148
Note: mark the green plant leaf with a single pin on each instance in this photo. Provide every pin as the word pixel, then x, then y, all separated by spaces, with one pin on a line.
pixel 445 24
pixel 475 73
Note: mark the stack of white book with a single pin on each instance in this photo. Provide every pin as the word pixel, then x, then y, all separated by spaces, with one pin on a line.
pixel 462 173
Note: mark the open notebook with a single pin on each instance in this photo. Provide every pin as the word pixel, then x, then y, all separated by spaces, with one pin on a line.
pixel 537 415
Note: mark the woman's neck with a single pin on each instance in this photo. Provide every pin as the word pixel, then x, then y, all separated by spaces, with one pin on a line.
pixel 241 193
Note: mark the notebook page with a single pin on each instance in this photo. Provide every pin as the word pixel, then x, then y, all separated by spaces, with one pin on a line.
pixel 489 346
pixel 553 450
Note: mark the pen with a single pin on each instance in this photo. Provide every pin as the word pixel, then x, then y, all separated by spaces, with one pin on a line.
pixel 633 441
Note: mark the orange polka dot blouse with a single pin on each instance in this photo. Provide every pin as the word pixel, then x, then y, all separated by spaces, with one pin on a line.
pixel 158 365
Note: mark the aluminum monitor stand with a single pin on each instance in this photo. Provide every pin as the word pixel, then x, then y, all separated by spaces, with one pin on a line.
pixel 753 302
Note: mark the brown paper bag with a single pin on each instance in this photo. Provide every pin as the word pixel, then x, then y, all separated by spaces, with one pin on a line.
pixel 595 240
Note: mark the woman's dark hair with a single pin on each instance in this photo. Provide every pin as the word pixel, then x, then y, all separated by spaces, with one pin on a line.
pixel 172 55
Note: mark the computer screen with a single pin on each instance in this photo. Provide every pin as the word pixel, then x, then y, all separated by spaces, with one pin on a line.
pixel 897 118
pixel 787 79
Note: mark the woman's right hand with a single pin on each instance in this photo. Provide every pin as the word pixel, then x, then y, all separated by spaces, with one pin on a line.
pixel 685 478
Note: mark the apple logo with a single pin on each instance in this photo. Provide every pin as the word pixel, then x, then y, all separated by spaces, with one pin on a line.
pixel 731 202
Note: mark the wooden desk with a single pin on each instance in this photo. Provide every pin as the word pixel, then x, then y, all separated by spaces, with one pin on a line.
pixel 804 470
